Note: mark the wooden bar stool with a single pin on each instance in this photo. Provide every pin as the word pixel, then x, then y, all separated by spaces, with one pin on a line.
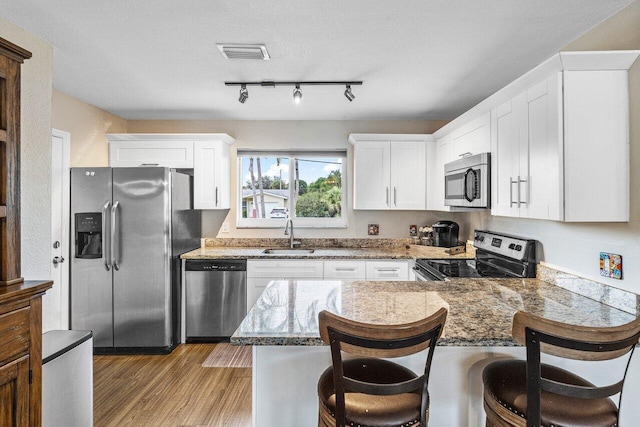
pixel 372 392
pixel 531 393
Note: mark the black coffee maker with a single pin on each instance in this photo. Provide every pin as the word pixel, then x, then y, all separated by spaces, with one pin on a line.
pixel 445 234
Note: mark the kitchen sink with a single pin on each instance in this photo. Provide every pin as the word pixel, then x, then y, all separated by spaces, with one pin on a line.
pixel 288 251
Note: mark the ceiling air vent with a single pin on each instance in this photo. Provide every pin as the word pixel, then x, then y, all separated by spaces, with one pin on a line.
pixel 244 51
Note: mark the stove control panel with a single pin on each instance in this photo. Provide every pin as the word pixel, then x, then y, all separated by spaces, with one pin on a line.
pixel 510 246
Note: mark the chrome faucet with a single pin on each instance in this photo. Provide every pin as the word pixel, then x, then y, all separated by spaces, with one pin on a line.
pixel 292 243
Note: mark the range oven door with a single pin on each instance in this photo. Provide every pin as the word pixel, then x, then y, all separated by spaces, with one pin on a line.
pixel 466 182
pixel 425 275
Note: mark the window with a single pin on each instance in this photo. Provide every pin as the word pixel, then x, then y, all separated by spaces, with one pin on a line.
pixel 305 186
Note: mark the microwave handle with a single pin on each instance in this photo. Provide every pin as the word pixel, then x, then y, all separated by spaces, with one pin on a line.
pixel 469 197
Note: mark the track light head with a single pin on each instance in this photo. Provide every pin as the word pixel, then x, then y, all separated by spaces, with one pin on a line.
pixel 297 94
pixel 244 94
pixel 347 92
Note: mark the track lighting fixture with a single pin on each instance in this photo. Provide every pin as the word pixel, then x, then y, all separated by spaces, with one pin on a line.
pixel 347 92
pixel 297 93
pixel 244 94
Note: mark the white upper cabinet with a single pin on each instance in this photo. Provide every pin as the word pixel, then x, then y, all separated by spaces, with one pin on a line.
pixel 472 137
pixel 207 154
pixel 560 149
pixel 441 155
pixel 389 171
pixel 211 175
pixel 134 152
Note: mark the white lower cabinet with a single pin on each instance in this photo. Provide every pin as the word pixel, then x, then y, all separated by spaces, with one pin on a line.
pixel 261 272
pixel 387 270
pixel 351 269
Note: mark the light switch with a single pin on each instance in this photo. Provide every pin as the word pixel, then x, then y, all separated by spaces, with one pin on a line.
pixel 225 227
pixel 611 265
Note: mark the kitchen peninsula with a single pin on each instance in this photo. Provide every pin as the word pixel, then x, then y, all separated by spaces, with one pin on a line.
pixel 288 355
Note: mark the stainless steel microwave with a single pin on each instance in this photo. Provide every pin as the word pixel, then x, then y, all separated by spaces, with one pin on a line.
pixel 467 182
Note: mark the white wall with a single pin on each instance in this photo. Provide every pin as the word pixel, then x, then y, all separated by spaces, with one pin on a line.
pixel 35 182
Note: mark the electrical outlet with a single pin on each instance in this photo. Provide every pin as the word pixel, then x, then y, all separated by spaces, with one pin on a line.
pixel 225 227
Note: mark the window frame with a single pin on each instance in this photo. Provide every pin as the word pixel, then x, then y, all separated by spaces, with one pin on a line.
pixel 300 222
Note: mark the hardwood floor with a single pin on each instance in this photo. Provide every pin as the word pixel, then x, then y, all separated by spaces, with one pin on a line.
pixel 170 390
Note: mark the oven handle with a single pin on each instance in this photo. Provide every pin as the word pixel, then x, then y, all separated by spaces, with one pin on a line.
pixel 469 198
pixel 421 276
pixel 499 268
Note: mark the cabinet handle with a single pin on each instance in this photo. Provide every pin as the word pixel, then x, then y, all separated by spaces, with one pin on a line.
pixel 395 196
pixel 387 191
pixel 519 191
pixel 387 270
pixel 148 164
pixel 511 182
pixel 345 269
pixel 216 196
pixel 467 154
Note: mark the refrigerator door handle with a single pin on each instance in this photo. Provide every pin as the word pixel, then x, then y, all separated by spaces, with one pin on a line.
pixel 106 241
pixel 115 253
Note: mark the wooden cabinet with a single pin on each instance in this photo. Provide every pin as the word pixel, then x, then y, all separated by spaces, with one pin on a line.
pixel 11 58
pixel 560 149
pixel 389 171
pixel 21 353
pixel 207 154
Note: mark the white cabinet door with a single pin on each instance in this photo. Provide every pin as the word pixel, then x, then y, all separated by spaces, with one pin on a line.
pixel 211 175
pixel 435 189
pixel 408 175
pixel 255 287
pixel 351 269
pixel 387 270
pixel 596 145
pixel 506 121
pixel 282 268
pixel 371 175
pixel 171 154
pixel 472 137
pixel 542 150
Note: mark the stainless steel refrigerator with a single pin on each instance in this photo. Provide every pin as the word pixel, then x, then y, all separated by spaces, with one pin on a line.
pixel 128 229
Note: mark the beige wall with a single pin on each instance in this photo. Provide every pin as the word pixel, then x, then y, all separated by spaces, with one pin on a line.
pixel 576 247
pixel 87 125
pixel 35 173
pixel 302 134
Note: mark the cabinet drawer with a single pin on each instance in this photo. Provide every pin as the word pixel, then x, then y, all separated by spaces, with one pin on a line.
pixel 14 334
pixel 344 269
pixel 387 270
pixel 284 268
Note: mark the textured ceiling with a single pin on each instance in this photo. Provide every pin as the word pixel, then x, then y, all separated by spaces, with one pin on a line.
pixel 419 59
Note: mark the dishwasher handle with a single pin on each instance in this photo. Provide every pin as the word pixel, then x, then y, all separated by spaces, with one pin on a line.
pixel 216 265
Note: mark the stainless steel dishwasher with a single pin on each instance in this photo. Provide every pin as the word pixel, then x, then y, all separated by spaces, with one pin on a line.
pixel 216 298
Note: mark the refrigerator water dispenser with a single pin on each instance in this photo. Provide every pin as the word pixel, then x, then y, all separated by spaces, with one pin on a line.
pixel 88 235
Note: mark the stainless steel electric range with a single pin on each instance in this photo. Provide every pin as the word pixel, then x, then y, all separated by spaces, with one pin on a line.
pixel 497 255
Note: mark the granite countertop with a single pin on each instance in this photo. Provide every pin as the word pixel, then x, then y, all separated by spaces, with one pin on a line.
pixel 480 310
pixel 393 252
